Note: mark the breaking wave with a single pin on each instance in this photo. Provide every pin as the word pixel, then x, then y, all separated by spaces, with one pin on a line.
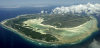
pixel 78 9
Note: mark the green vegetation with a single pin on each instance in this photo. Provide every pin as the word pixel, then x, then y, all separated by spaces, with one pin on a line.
pixel 34 34
pixel 63 21
pixel 60 21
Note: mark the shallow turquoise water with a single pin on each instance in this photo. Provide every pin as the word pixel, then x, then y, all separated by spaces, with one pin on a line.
pixel 9 39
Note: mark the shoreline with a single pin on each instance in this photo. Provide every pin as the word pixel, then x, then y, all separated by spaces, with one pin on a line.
pixel 24 36
pixel 28 38
pixel 41 44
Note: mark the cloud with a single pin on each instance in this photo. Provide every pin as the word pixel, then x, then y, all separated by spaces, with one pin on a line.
pixel 95 44
pixel 82 8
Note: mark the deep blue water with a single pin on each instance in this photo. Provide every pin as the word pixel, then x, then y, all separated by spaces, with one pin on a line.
pixel 9 39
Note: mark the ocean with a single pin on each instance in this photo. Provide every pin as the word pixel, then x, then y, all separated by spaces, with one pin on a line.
pixel 9 39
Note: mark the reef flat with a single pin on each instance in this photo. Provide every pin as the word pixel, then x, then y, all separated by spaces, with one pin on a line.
pixel 53 28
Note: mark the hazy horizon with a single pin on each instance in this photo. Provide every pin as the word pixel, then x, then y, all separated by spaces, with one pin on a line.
pixel 42 3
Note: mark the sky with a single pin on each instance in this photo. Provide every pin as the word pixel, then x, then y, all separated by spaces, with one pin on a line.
pixel 42 3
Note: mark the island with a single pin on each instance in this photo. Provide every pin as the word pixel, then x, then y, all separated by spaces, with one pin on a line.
pixel 52 29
